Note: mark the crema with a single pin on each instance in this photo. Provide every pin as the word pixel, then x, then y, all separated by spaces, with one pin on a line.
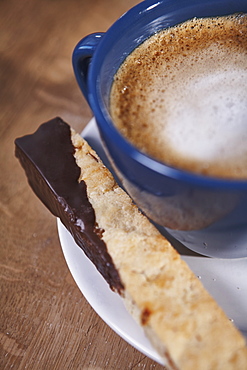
pixel 181 96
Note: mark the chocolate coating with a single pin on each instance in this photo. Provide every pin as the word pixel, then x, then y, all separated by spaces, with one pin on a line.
pixel 48 160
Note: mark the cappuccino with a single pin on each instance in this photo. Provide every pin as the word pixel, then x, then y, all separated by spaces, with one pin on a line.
pixel 181 96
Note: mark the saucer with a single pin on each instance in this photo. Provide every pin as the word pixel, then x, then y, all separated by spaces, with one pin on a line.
pixel 224 279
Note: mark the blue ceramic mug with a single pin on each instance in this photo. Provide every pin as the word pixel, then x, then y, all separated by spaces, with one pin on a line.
pixel 208 215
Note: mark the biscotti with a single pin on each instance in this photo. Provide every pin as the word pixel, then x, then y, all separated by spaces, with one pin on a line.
pixel 180 318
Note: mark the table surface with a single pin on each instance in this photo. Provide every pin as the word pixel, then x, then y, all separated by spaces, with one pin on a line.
pixel 46 323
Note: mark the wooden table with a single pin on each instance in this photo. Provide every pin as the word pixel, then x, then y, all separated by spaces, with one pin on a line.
pixel 46 323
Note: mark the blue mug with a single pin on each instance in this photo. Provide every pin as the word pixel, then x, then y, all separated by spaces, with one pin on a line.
pixel 208 215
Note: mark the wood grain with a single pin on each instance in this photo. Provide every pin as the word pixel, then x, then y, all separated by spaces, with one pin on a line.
pixel 46 322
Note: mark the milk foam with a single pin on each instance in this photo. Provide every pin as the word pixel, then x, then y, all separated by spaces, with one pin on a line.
pixel 181 96
pixel 206 116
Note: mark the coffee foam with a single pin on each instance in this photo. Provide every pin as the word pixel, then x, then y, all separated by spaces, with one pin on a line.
pixel 181 96
pixel 214 116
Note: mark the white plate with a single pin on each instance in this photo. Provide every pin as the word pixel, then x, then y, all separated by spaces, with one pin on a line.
pixel 225 279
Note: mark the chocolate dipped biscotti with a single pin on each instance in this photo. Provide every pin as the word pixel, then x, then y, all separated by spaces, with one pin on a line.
pixel 180 318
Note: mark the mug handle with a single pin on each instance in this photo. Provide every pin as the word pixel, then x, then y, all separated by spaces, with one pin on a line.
pixel 81 59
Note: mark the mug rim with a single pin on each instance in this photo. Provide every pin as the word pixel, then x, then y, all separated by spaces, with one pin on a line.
pixel 105 122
